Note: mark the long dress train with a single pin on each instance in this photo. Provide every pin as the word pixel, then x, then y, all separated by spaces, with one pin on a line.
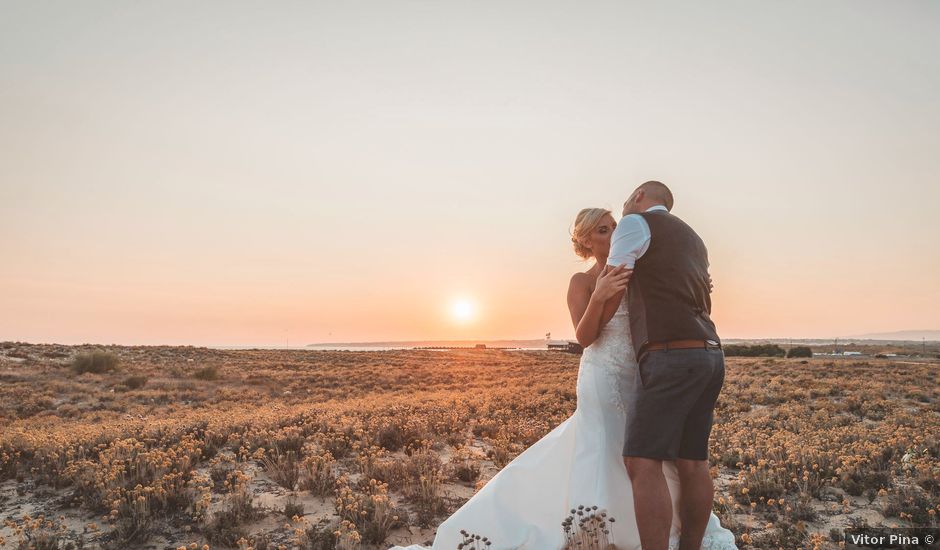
pixel 578 463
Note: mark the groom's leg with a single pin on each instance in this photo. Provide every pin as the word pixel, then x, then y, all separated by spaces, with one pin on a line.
pixel 668 417
pixel 652 434
pixel 651 501
pixel 695 501
pixel 697 491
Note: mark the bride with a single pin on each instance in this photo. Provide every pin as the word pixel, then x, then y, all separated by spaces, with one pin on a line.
pixel 545 498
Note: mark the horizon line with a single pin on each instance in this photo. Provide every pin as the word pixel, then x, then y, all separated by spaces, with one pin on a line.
pixel 366 343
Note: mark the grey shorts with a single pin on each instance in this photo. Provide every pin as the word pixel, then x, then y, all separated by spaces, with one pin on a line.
pixel 670 415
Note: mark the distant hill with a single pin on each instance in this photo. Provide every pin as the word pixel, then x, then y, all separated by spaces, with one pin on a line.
pixel 902 335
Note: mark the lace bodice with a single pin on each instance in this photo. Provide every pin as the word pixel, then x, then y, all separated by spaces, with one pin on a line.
pixel 613 354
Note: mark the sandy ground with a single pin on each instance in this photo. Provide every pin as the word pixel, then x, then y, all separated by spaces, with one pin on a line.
pixel 40 394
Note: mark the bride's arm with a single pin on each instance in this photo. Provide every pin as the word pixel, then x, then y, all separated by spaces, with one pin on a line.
pixel 587 308
pixel 611 305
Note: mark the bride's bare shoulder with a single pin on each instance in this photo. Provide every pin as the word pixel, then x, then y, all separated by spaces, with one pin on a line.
pixel 581 277
pixel 580 281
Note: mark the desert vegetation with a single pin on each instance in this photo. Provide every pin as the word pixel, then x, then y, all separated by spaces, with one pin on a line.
pixel 169 447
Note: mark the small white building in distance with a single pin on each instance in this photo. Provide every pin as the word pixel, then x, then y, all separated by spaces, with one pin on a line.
pixel 564 345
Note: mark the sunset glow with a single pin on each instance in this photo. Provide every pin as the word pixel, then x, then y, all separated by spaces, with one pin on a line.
pixel 463 310
pixel 343 172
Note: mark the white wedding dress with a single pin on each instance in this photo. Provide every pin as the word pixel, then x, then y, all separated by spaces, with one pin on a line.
pixel 578 463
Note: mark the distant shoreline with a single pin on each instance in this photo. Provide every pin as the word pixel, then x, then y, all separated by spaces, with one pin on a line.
pixel 534 344
pixel 409 344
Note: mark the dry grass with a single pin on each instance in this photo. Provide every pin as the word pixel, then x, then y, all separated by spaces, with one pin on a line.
pixel 389 440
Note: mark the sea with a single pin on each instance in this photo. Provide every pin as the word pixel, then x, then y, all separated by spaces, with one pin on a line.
pixel 370 348
pixel 508 345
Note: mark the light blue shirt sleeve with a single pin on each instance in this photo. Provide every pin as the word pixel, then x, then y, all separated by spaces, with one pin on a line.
pixel 630 240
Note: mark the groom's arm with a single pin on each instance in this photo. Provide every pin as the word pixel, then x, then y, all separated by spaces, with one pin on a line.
pixel 630 240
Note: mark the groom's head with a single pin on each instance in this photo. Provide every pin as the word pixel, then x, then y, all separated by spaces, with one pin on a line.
pixel 647 195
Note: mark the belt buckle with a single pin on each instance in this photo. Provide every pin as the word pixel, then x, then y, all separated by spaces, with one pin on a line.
pixel 712 343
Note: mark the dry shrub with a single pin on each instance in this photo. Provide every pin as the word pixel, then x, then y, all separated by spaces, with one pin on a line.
pixel 327 536
pixel 372 512
pixel 96 361
pixel 464 465
pixel 282 467
pixel 226 527
pixel 912 504
pixel 208 373
pixel 293 507
pixel 133 519
pixel 317 472
pixel 424 473
pixel 39 533
pixel 588 528
pixel 135 382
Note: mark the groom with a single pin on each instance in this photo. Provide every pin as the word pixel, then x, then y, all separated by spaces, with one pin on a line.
pixel 680 368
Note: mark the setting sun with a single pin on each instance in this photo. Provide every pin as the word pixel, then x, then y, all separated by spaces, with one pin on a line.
pixel 463 310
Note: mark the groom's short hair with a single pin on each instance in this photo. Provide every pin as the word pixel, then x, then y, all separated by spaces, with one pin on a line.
pixel 658 191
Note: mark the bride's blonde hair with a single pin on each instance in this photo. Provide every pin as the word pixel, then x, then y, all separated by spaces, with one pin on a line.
pixel 585 223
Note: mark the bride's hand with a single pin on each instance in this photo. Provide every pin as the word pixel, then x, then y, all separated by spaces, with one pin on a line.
pixel 611 281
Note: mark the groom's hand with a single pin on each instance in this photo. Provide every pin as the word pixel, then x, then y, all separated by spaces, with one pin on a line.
pixel 622 274
pixel 611 281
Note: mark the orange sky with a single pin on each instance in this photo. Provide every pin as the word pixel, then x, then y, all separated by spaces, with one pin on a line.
pixel 345 172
